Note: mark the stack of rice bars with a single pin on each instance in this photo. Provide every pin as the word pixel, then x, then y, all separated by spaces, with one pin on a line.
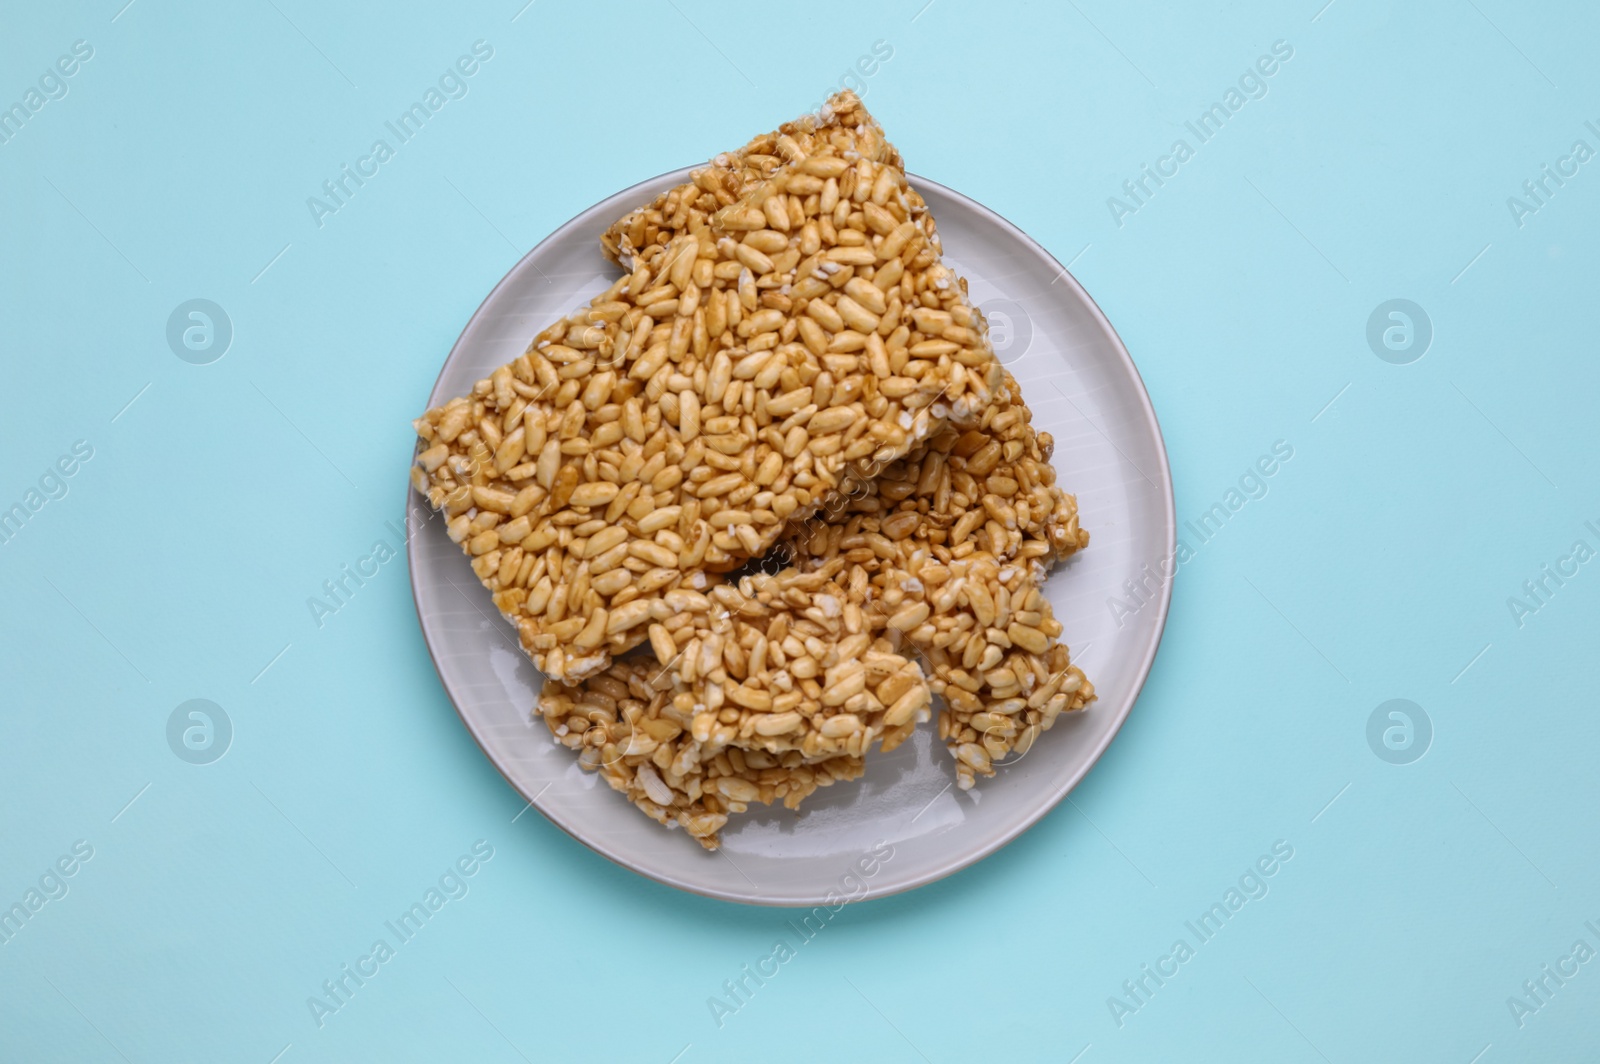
pixel 787 373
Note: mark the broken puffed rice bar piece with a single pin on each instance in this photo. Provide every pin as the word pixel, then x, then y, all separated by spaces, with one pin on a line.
pixel 791 662
pixel 615 720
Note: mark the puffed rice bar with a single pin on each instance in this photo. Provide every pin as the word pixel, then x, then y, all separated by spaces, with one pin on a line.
pixel 721 390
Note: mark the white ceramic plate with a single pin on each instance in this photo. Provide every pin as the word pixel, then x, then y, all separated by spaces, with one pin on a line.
pixel 1082 387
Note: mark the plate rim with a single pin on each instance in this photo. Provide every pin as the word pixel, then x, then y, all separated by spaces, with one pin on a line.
pixel 1051 799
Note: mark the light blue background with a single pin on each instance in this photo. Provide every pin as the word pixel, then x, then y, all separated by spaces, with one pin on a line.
pixel 1379 566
